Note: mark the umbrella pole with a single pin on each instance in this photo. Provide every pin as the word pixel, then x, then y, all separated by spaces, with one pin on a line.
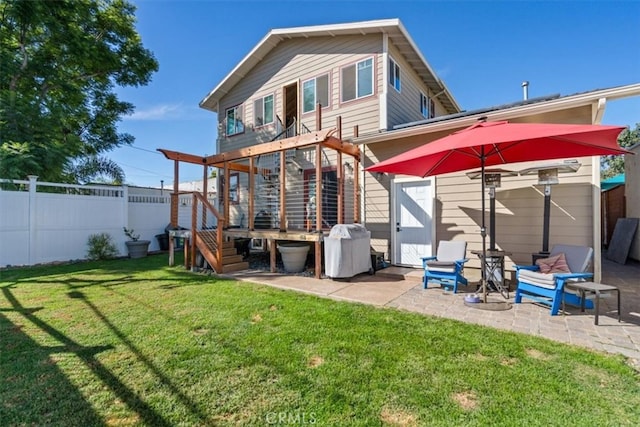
pixel 547 217
pixel 483 231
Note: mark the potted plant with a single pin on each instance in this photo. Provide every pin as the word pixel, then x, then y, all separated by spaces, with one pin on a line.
pixel 137 248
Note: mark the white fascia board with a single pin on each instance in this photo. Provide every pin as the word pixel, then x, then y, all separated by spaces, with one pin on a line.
pixel 336 28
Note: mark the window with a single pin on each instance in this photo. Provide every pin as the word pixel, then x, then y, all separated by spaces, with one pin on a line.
pixel 427 107
pixel 314 92
pixel 357 80
pixel 263 111
pixel 394 74
pixel 235 124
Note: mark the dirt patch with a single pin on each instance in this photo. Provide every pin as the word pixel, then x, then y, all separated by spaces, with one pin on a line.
pixel 508 361
pixel 123 421
pixel 467 400
pixel 257 318
pixel 479 357
pixel 537 354
pixel 200 331
pixel 273 308
pixel 397 417
pixel 315 361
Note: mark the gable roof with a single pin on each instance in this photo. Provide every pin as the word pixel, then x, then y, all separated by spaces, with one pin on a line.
pixel 392 27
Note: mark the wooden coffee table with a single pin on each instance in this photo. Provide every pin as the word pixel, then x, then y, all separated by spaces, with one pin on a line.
pixel 592 288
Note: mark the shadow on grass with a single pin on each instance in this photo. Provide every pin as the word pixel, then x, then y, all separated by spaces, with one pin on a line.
pixel 186 401
pixel 35 388
pixel 152 269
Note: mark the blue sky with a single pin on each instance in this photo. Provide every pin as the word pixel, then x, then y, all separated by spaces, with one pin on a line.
pixel 482 50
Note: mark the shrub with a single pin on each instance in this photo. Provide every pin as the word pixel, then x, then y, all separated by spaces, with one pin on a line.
pixel 101 246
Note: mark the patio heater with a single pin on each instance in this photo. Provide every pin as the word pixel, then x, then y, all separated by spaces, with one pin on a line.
pixel 548 176
pixel 494 263
pixel 492 180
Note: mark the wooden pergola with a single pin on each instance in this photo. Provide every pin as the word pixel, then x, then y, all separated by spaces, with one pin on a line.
pixel 244 160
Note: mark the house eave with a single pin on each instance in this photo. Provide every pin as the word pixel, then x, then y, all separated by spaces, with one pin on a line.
pixel 557 104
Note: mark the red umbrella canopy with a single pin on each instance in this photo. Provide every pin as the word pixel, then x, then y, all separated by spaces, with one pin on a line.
pixel 503 142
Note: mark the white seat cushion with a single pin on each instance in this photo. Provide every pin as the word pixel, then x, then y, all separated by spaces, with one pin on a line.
pixel 536 278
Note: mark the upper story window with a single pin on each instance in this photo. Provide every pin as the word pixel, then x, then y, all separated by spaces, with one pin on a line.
pixel 357 80
pixel 263 111
pixel 394 74
pixel 235 123
pixel 427 106
pixel 315 91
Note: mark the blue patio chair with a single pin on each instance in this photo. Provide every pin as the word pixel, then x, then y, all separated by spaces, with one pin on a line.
pixel 446 268
pixel 549 289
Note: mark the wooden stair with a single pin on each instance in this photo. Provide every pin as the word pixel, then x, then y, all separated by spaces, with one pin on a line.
pixel 231 260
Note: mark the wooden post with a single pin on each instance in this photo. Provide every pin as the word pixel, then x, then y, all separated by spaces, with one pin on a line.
pixel 227 185
pixel 356 189
pixel 340 189
pixel 318 260
pixel 319 188
pixel 205 185
pixel 283 191
pixel 251 193
pixel 272 255
pixel 194 213
pixel 318 117
pixel 356 182
pixel 340 174
pixel 175 196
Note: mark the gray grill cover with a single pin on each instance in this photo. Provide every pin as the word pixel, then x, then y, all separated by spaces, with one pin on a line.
pixel 347 251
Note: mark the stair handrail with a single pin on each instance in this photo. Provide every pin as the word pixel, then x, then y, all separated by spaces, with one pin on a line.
pixel 219 228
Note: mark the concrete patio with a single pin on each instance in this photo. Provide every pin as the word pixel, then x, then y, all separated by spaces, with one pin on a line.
pixel 401 288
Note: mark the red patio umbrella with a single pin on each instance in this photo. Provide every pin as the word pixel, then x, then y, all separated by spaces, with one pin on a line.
pixel 495 143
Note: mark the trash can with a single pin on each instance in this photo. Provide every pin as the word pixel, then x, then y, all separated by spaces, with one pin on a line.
pixel 178 242
pixel 163 241
pixel 347 251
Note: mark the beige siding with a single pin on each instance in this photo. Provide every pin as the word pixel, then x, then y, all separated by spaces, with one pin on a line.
pixel 632 192
pixel 519 212
pixel 404 106
pixel 519 209
pixel 294 61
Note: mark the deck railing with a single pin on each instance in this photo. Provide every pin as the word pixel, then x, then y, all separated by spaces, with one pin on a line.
pixel 207 225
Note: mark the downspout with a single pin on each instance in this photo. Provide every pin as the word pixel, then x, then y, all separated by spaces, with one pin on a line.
pixel 596 117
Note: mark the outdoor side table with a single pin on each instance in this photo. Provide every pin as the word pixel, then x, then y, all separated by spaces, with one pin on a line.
pixel 186 235
pixel 494 272
pixel 593 288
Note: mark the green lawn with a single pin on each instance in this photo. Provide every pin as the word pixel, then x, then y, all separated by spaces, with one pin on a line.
pixel 134 342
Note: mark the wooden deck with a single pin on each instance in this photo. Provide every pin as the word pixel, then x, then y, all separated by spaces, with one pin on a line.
pixel 273 236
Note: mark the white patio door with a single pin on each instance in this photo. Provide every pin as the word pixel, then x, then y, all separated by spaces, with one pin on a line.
pixel 413 222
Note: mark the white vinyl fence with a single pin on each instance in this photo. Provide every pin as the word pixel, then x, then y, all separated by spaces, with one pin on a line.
pixel 43 222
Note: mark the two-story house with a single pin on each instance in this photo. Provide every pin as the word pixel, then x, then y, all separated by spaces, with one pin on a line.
pixel 309 107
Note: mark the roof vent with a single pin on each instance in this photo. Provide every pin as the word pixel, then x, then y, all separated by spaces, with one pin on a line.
pixel 525 90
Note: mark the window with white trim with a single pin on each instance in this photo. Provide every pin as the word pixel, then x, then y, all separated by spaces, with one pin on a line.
pixel 315 91
pixel 263 111
pixel 427 106
pixel 235 123
pixel 394 74
pixel 357 80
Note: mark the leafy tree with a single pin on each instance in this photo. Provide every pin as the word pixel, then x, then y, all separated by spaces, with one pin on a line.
pixel 60 62
pixel 614 165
